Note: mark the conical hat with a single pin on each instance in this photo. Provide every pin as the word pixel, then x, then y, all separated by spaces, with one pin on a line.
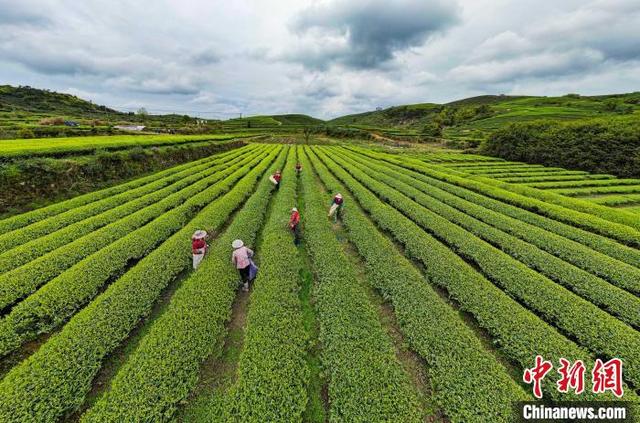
pixel 199 234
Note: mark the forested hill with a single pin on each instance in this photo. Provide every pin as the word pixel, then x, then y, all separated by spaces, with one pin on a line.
pixel 33 100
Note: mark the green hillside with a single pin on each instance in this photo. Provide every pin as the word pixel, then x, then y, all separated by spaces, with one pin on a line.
pixel 473 119
pixel 27 112
pixel 397 116
pixel 33 100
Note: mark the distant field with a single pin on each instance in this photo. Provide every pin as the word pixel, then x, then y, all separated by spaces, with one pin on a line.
pixel 50 146
pixel 601 189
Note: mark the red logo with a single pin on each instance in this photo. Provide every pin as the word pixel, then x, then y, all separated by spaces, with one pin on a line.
pixel 605 376
pixel 572 376
pixel 608 377
pixel 536 374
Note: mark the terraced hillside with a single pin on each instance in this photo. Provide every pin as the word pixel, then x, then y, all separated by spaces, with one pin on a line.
pixel 425 301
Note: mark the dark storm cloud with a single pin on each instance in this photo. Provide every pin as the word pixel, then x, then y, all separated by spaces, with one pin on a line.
pixel 163 87
pixel 321 92
pixel 205 57
pixel 369 32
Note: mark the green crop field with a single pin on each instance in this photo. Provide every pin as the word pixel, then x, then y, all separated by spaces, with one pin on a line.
pixel 444 277
pixel 75 145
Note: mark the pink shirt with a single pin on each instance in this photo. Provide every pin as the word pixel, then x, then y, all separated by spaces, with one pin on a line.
pixel 240 257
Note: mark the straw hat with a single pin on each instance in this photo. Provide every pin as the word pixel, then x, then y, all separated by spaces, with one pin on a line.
pixel 199 234
pixel 339 195
pixel 294 209
pixel 237 244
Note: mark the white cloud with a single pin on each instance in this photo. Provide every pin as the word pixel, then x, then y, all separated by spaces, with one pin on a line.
pixel 504 44
pixel 537 65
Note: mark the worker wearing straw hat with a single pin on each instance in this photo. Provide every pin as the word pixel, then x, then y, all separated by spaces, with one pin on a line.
pixel 198 247
pixel 336 206
pixel 275 179
pixel 294 221
pixel 241 259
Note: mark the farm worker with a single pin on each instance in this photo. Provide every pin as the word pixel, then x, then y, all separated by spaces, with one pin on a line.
pixel 298 169
pixel 275 178
pixel 294 220
pixel 198 247
pixel 336 206
pixel 241 259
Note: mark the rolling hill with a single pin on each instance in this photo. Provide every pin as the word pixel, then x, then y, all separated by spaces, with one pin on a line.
pixel 26 99
pixel 272 121
pixel 27 112
pixel 476 117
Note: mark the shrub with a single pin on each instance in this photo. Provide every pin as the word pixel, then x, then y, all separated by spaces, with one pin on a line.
pixel 51 121
pixel 432 129
pixel 596 146
pixel 25 133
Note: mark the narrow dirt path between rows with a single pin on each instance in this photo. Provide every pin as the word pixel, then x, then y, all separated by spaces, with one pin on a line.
pixel 218 372
pixel 318 388
pixel 25 351
pixel 414 365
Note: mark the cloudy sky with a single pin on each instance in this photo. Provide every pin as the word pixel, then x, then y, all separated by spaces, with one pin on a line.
pixel 322 57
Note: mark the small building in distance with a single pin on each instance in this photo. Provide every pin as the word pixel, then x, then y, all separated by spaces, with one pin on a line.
pixel 130 127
